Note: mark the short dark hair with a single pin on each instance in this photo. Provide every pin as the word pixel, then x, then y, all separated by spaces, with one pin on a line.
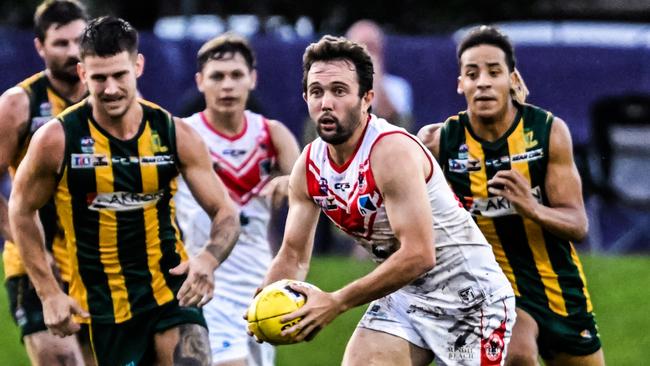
pixel 107 36
pixel 223 47
pixel 330 48
pixel 486 34
pixel 61 12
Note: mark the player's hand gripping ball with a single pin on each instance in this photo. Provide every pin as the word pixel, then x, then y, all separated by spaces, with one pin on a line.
pixel 269 306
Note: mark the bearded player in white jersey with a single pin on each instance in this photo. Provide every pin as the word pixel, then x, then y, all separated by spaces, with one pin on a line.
pixel 438 292
pixel 253 156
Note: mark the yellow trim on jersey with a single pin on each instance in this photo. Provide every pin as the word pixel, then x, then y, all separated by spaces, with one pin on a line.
pixel 27 83
pixel 108 231
pixel 149 103
pixel 13 264
pixel 180 248
pixel 576 260
pixel 149 172
pixel 77 288
pixel 478 180
pixel 534 233
pixel 58 104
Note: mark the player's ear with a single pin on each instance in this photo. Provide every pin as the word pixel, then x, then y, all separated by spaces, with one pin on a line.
pixel 459 86
pixel 198 78
pixel 39 47
pixel 253 79
pixel 139 65
pixel 81 71
pixel 366 101
pixel 304 96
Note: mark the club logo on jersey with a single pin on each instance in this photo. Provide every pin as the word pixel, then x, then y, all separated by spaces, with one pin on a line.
pixel 361 181
pixel 122 201
pixel 45 109
pixel 323 187
pixel 366 205
pixel 327 203
pixel 497 205
pixel 529 137
pixel 86 161
pixel 463 152
pixel 156 143
pixel 87 145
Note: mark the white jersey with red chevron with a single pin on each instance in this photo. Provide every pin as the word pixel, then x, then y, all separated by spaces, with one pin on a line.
pixel 244 163
pixel 349 196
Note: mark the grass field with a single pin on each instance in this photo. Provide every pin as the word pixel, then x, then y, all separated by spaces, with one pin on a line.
pixel 618 287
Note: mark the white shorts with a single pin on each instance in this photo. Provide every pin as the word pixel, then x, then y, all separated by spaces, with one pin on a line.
pixel 478 337
pixel 228 334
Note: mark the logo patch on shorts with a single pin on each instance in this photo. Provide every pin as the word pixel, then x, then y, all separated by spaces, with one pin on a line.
pixel 492 346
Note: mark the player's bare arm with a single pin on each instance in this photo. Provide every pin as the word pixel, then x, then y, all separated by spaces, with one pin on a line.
pixel 400 169
pixel 292 260
pixel 287 151
pixel 566 216
pixel 211 194
pixel 430 137
pixel 14 115
pixel 34 185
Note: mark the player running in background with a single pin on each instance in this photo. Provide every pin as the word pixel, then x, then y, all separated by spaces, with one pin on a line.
pixel 23 109
pixel 112 163
pixel 511 164
pixel 438 292
pixel 253 156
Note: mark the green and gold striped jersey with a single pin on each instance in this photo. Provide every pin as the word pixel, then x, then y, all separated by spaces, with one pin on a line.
pixel 114 200
pixel 542 268
pixel 44 104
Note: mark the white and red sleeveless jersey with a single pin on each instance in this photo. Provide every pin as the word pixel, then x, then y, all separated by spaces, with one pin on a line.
pixel 349 196
pixel 244 163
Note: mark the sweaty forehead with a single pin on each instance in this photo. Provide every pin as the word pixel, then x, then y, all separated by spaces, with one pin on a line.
pixel 326 72
pixel 483 55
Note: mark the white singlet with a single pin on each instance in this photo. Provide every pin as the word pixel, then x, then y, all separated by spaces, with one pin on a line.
pixel 466 278
pixel 244 163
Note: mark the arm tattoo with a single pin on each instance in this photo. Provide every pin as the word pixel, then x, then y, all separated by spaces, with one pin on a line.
pixel 193 347
pixel 223 236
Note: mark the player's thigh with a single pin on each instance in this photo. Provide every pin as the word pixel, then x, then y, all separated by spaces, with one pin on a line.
pixel 523 350
pixel 372 348
pixel 44 348
pixel 183 344
pixel 564 359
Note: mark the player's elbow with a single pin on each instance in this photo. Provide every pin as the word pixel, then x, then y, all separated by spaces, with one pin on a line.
pixel 581 230
pixel 421 263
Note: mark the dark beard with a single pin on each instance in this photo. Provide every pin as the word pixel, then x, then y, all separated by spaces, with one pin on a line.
pixel 342 135
pixel 66 77
pixel 61 74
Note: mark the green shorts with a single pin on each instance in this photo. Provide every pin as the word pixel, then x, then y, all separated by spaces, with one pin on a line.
pixel 575 335
pixel 25 306
pixel 131 343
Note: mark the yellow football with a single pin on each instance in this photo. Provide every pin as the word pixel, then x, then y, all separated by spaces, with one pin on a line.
pixel 269 306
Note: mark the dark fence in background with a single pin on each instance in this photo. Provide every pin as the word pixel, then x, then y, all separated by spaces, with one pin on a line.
pixel 568 80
